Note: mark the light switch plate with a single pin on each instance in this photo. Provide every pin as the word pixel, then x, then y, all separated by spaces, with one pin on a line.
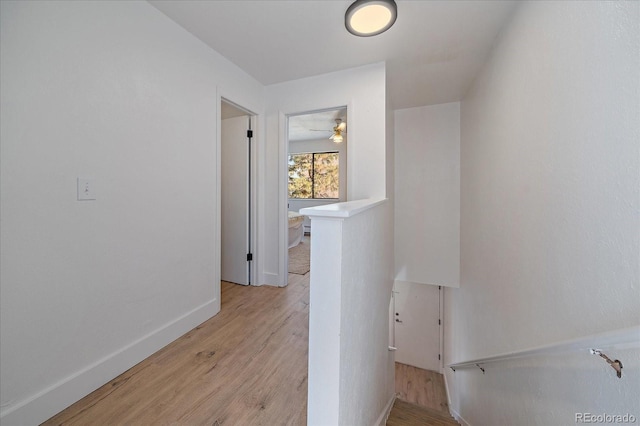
pixel 86 189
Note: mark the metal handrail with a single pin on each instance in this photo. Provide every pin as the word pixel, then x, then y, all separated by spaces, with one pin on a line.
pixel 618 339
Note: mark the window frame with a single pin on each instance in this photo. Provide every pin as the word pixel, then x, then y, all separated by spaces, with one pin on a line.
pixel 313 153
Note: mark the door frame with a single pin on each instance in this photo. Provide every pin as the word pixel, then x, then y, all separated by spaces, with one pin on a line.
pixel 252 199
pixel 283 122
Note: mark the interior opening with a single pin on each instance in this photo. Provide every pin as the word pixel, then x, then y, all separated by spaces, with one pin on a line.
pixel 236 194
pixel 316 175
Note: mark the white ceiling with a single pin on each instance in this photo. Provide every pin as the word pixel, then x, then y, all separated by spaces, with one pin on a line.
pixel 313 126
pixel 432 52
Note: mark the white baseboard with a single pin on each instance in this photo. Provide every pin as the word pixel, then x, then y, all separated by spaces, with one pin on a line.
pixel 384 416
pixel 458 417
pixel 269 278
pixel 52 400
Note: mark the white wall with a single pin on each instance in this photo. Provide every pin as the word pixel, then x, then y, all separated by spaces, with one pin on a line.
pixel 351 371
pixel 117 92
pixel 427 195
pixel 362 90
pixel 550 181
pixel 367 364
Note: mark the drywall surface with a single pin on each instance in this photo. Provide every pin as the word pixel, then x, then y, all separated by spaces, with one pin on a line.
pixel 390 149
pixel 115 92
pixel 550 195
pixel 550 390
pixel 350 367
pixel 362 90
pixel 427 194
pixel 367 265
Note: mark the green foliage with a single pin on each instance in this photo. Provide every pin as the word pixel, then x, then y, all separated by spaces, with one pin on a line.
pixel 314 175
pixel 300 175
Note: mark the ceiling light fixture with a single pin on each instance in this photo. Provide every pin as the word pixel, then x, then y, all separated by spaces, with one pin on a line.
pixel 337 131
pixel 366 18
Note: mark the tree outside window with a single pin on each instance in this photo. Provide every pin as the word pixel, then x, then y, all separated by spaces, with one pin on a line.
pixel 314 175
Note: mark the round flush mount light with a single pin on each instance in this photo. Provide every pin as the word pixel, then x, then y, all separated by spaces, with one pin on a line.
pixel 366 18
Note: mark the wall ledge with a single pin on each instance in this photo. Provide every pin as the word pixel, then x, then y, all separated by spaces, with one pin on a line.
pixel 342 210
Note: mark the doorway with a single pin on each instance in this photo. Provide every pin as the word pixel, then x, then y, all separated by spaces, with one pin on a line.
pixel 236 215
pixel 316 175
pixel 416 327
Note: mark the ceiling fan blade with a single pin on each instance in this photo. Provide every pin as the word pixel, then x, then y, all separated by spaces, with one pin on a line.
pixel 342 126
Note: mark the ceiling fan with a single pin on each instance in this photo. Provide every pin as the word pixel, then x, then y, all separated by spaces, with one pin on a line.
pixel 338 129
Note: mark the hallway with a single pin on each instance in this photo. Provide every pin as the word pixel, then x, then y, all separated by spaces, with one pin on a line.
pixel 245 366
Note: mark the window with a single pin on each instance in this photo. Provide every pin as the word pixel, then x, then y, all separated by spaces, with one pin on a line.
pixel 314 175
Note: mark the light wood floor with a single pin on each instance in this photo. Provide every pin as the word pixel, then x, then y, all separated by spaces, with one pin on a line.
pixel 245 366
pixel 421 387
pixel 421 398
pixel 406 414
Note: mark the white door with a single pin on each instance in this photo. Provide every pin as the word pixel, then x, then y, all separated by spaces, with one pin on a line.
pixel 235 200
pixel 417 324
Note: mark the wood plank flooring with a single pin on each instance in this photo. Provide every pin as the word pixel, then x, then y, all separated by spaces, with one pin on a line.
pixel 421 387
pixel 245 366
pixel 406 414
pixel 421 398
